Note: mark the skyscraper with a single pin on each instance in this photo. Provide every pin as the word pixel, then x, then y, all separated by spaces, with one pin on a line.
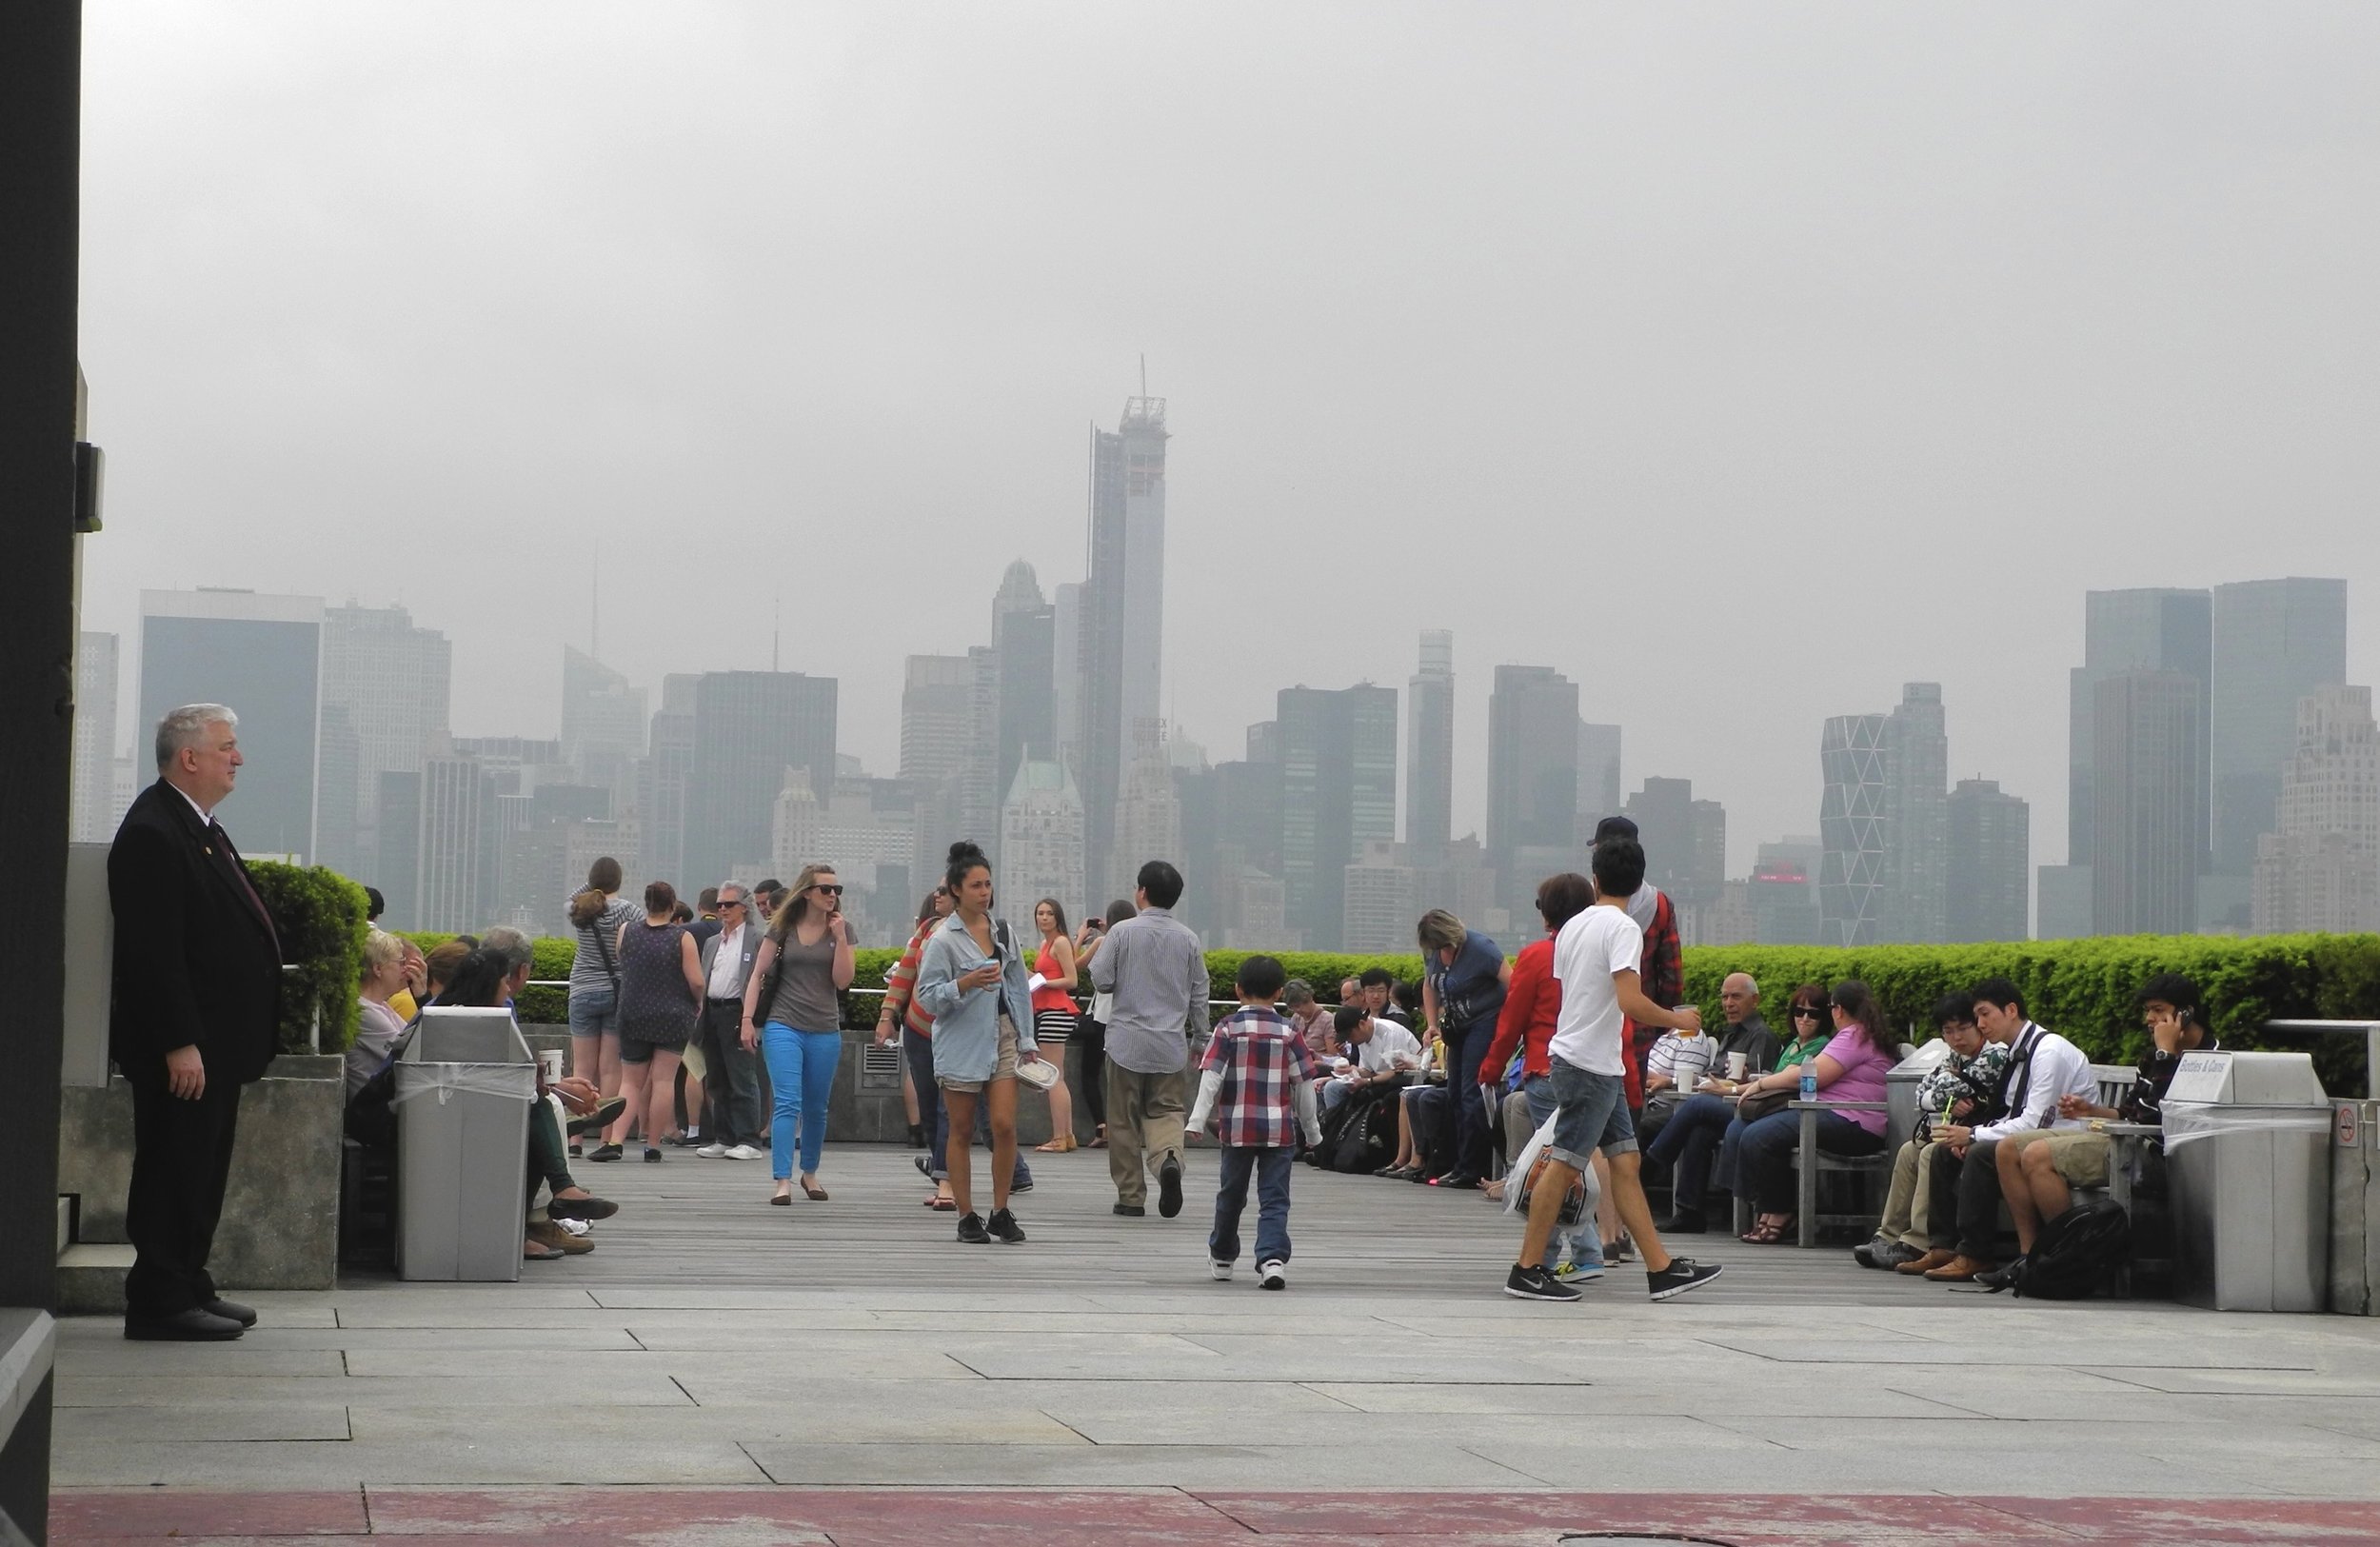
pixel 2321 870
pixel 1685 840
pixel 2275 641
pixel 1917 765
pixel 1598 779
pixel 1149 812
pixel 750 727
pixel 1381 899
pixel 603 724
pixel 1339 791
pixel 95 673
pixel 1989 851
pixel 1040 843
pixel 1024 630
pixel 456 857
pixel 937 716
pixel 663 776
pixel 2149 801
pixel 1065 688
pixel 1853 826
pixel 385 689
pixel 261 656
pixel 1119 659
pixel 1430 750
pixel 2147 629
pixel 1533 777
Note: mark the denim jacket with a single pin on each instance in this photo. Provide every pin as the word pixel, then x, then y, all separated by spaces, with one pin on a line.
pixel 967 1022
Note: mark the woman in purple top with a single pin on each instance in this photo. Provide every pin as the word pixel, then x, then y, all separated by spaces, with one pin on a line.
pixel 1851 1069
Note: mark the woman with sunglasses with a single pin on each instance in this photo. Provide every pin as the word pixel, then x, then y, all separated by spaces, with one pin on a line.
pixel 805 964
pixel 1851 1060
pixel 1709 1119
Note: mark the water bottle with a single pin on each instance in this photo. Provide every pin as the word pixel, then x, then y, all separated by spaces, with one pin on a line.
pixel 1809 1079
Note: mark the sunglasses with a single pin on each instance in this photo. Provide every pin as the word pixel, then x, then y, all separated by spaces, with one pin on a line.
pixel 830 888
pixel 1809 1011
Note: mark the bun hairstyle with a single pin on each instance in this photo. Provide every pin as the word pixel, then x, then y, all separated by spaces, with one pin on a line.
pixel 965 859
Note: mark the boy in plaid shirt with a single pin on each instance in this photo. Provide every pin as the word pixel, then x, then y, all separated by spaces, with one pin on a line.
pixel 1255 1075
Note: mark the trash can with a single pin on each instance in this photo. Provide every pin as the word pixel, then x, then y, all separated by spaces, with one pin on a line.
pixel 464 1081
pixel 2355 1208
pixel 2247 1140
pixel 1900 1092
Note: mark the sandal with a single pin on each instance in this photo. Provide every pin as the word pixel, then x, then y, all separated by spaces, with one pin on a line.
pixel 1767 1232
pixel 1056 1146
pixel 812 1191
pixel 942 1205
pixel 1098 1138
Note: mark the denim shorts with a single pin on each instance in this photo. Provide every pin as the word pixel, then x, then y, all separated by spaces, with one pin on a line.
pixel 1593 1115
pixel 594 1012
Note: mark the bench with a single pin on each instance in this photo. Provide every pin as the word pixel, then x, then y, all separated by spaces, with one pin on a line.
pixel 1811 1163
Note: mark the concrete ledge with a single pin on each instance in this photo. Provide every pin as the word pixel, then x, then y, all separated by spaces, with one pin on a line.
pixel 280 1226
pixel 28 1346
pixel 90 1279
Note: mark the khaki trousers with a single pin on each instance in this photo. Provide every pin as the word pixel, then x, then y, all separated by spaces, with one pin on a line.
pixel 1906 1214
pixel 1144 1126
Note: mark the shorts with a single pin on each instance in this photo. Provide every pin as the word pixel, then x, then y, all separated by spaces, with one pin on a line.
pixel 640 1049
pixel 1591 1114
pixel 1053 1028
pixel 1004 1068
pixel 594 1011
pixel 2076 1154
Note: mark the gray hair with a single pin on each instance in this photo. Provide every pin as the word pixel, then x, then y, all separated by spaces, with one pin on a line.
pixel 1749 986
pixel 743 893
pixel 187 727
pixel 512 944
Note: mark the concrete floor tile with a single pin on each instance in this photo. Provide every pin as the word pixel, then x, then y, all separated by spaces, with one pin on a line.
pixel 1186 1466
pixel 221 1423
pixel 793 1419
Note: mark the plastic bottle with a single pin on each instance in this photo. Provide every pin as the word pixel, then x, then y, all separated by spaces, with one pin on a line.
pixel 1809 1079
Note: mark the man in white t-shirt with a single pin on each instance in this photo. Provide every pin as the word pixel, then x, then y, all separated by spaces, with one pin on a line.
pixel 1379 1051
pixel 1596 960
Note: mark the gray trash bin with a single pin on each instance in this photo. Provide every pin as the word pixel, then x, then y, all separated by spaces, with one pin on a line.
pixel 2248 1153
pixel 464 1081
pixel 1900 1092
pixel 2355 1208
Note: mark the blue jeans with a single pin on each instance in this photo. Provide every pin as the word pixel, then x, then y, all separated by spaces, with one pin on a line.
pixel 1684 1145
pixel 801 1074
pixel 594 1012
pixel 1765 1166
pixel 1272 1168
pixel 1586 1242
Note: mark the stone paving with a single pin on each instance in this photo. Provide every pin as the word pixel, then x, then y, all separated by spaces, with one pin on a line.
pixel 845 1371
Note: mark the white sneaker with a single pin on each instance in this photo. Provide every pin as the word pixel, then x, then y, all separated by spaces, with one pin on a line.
pixel 743 1152
pixel 712 1151
pixel 1272 1275
pixel 1221 1271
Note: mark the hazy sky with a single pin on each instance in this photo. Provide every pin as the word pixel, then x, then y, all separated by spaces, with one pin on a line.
pixel 1742 361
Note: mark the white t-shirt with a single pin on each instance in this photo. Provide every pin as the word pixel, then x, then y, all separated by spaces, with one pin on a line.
pixel 1389 1040
pixel 1591 947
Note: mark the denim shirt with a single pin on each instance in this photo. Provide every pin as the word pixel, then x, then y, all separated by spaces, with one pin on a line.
pixel 967 1022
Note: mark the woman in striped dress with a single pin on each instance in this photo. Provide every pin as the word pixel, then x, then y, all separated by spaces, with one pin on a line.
pixel 1055 1014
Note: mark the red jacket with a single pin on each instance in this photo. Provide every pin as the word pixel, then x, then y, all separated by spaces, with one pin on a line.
pixel 1664 979
pixel 1533 1005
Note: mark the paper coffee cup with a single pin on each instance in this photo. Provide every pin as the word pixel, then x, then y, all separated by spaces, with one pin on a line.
pixel 551 1058
pixel 1688 1078
pixel 1736 1065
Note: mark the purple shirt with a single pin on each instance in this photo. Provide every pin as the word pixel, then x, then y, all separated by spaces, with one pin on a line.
pixel 1862 1078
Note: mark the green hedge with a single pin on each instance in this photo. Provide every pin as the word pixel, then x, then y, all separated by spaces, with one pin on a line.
pixel 321 917
pixel 2080 987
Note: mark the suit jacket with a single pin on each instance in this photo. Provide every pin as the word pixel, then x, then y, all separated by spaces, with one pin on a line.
pixel 197 961
pixel 749 946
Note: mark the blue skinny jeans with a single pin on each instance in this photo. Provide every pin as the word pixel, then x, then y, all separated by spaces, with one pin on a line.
pixel 801 1077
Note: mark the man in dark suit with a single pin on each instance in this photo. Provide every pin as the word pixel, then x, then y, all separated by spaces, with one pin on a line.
pixel 197 993
pixel 735 1125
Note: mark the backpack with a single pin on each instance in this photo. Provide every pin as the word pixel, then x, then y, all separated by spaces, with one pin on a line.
pixel 2075 1252
pixel 1366 1138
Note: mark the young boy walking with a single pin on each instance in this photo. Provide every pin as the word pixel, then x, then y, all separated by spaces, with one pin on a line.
pixel 1255 1079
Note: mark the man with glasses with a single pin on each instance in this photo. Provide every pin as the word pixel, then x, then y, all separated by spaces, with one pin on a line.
pixel 1705 1120
pixel 727 957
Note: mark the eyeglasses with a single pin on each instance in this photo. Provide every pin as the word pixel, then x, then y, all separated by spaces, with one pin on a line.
pixel 830 888
pixel 1807 1012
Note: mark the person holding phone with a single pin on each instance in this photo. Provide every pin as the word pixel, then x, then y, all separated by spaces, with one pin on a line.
pixel 972 980
pixel 802 968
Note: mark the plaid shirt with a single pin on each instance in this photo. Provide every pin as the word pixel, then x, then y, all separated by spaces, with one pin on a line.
pixel 1262 1059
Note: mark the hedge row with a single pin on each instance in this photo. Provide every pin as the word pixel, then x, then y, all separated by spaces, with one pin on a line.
pixel 320 916
pixel 2083 988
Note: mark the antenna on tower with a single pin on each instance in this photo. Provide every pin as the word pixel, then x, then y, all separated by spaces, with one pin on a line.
pixel 1144 375
pixel 775 610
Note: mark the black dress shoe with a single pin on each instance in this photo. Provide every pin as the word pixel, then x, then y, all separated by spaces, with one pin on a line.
pixel 580 1208
pixel 1132 1211
pixel 230 1310
pixel 191 1327
pixel 1684 1223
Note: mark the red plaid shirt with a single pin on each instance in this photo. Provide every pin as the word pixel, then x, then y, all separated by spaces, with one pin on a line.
pixel 1261 1057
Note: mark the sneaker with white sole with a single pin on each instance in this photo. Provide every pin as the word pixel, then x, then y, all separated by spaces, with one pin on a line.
pixel 1682 1274
pixel 1534 1283
pixel 1220 1272
pixel 713 1151
pixel 1272 1275
pixel 1578 1272
pixel 743 1152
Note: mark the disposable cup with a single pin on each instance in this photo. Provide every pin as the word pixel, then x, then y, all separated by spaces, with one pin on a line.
pixel 1736 1065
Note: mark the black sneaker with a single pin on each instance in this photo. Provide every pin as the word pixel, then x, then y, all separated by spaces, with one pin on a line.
pixel 1132 1211
pixel 971 1230
pixel 604 1152
pixel 653 1155
pixel 1169 1187
pixel 1002 1226
pixel 1684 1223
pixel 1534 1283
pixel 1682 1274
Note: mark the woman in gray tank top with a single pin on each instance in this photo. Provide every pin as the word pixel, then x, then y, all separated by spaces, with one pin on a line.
pixel 802 967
